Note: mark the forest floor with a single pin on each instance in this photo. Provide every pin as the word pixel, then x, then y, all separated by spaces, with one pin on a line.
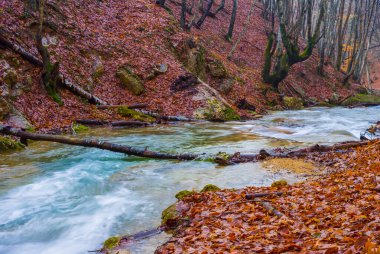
pixel 338 212
pixel 92 40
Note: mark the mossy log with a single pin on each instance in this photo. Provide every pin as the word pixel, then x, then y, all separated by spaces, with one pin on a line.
pixel 85 142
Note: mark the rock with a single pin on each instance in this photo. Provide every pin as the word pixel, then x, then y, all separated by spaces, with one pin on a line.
pixel 97 68
pixel 279 183
pixel 111 243
pixel 184 82
pixel 169 214
pixel 127 112
pixel 293 102
pixel 5 108
pixel 362 99
pixel 217 111
pixel 180 195
pixel 192 56
pixel 11 78
pixel 210 187
pixel 9 145
pixel 245 104
pixel 216 68
pixel 130 81
pixel 17 119
pixel 49 40
pixel 226 86
pixel 277 108
pixel 334 98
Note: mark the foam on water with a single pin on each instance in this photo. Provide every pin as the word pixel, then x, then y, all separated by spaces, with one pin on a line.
pixel 70 199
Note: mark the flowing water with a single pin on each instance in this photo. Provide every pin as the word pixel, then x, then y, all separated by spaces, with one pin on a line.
pixel 63 199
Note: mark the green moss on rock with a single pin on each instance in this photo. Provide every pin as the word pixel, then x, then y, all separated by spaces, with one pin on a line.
pixel 80 128
pixel 111 243
pixel 293 102
pixel 216 68
pixel 127 112
pixel 362 99
pixel 9 145
pixel 217 111
pixel 210 187
pixel 180 195
pixel 130 81
pixel 279 183
pixel 169 213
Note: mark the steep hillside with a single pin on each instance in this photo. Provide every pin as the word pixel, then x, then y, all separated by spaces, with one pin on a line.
pixel 95 40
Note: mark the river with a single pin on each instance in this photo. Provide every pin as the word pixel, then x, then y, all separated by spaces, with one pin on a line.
pixel 63 199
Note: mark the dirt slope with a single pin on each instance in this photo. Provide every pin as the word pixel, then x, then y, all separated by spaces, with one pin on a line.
pixel 92 40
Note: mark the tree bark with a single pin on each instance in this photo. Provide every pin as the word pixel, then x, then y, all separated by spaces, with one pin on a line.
pixel 232 21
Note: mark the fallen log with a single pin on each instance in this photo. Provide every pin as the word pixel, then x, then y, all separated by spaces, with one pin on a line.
pixel 285 153
pixel 92 122
pixel 268 206
pixel 129 123
pixel 19 50
pixel 85 142
pixel 133 106
pixel 167 118
pixel 75 89
pixel 260 195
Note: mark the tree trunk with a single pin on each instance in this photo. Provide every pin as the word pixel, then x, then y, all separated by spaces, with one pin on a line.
pixel 232 21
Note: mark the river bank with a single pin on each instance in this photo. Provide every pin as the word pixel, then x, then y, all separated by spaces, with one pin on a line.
pixel 338 213
pixel 65 199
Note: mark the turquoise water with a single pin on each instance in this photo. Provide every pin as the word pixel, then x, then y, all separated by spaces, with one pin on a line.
pixel 62 199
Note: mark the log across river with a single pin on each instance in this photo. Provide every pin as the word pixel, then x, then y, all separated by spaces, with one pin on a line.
pixel 59 198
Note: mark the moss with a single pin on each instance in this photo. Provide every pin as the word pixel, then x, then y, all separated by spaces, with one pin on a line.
pixel 184 193
pixel 130 81
pixel 210 187
pixel 8 145
pixel 217 69
pixel 127 112
pixel 169 213
pixel 230 114
pixel 217 111
pixel 80 127
pixel 293 102
pixel 279 183
pixel 11 78
pixel 362 99
pixel 111 243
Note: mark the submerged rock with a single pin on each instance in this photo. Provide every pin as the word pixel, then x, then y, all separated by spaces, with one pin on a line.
pixel 130 81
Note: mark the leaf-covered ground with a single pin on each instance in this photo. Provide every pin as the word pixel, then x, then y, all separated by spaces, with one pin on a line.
pixel 141 34
pixel 337 213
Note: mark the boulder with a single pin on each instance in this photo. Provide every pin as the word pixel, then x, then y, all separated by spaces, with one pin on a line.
pixel 5 108
pixel 293 102
pixel 130 81
pixel 97 68
pixel 216 68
